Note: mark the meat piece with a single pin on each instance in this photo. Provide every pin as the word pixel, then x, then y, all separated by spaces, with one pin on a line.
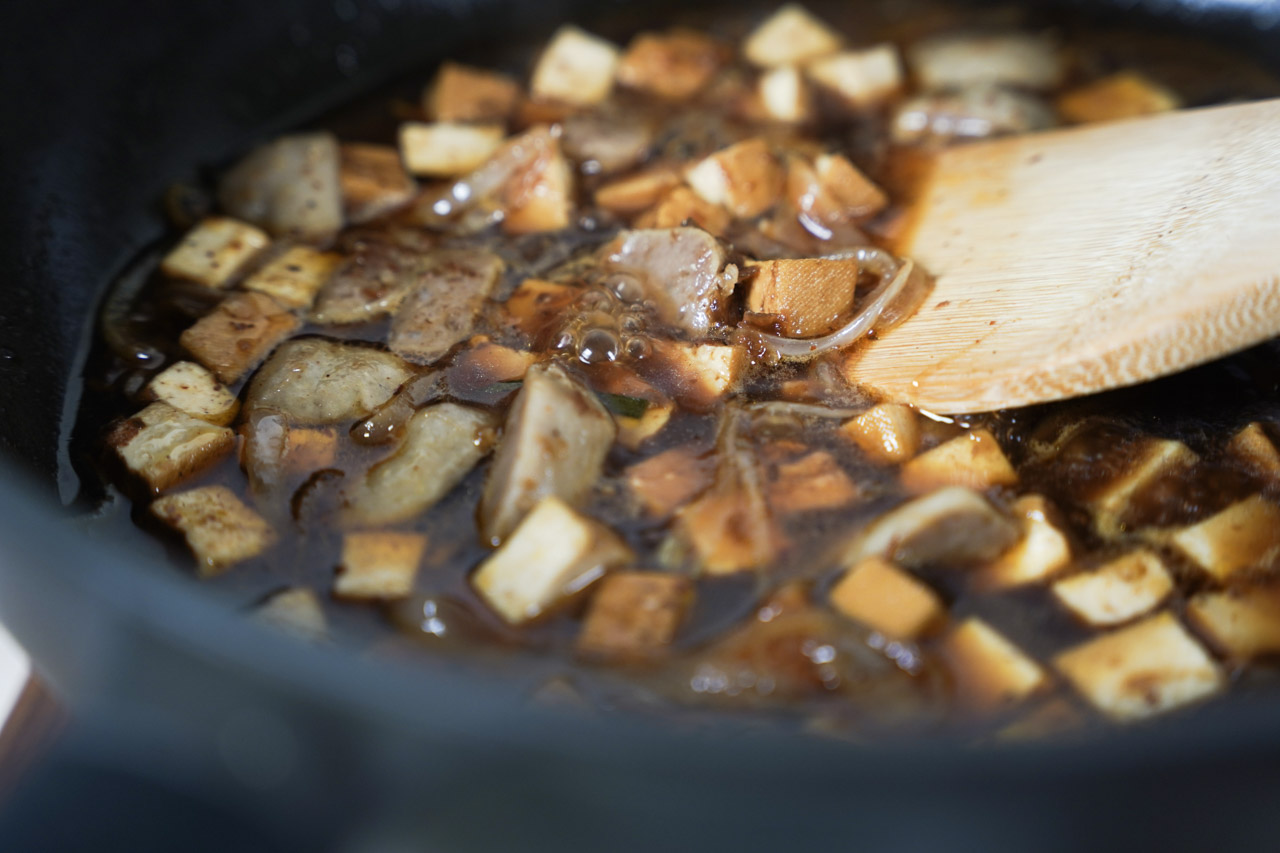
pixel 446 149
pixel 214 252
pixel 379 565
pixel 441 310
pixel 370 284
pixel 554 443
pixel 193 389
pixel 373 180
pixel 239 333
pixel 978 112
pixel 164 446
pixel 860 79
pixel 790 36
pixel 576 68
pixel 606 142
pixel 295 277
pixel 290 186
pixel 810 296
pixel 462 93
pixel 682 270
pixel 317 381
pixel 1021 60
pixel 634 616
pixel 675 65
pixel 220 530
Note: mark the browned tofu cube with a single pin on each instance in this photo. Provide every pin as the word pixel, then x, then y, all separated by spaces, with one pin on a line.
pixel 379 565
pixel 539 196
pixel 682 206
pixel 163 445
pixel 974 460
pixel 1243 622
pixel 810 296
pixel 373 181
pixel 294 278
pixel 729 532
pixel 636 193
pixel 887 599
pixel 1152 462
pixel 482 362
pixel 310 450
pixel 460 93
pixel 1051 718
pixel 744 178
pixel 785 96
pixel 446 149
pixel 697 375
pixel 1042 552
pixel 843 192
pixel 1127 94
pixel 989 672
pixel 220 530
pixel 1253 448
pixel 1146 669
pixel 813 482
pixel 667 481
pixel 296 610
pixel 1122 589
pixel 191 388
pixel 633 616
pixel 536 306
pixel 860 79
pixel 952 526
pixel 238 334
pixel 675 65
pixel 888 433
pixel 576 68
pixel 1245 535
pixel 790 36
pixel 214 252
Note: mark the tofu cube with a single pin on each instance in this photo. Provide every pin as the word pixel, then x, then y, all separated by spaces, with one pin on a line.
pixel 813 482
pixel 576 68
pixel 682 206
pixel 810 296
pixel 665 482
pixel 537 306
pixel 1254 449
pixel 785 96
pixel 1245 535
pixel 790 36
pixel 294 278
pixel 1243 622
pixel 887 599
pixel 1146 669
pixel 310 450
pixel 952 526
pixel 675 65
pixel 220 530
pixel 636 193
pixel 214 252
pixel 373 181
pixel 539 196
pixel 860 79
pixel 191 388
pixel 699 374
pixel 1121 590
pixel 482 362
pixel 553 555
pixel 888 433
pixel 1042 552
pixel 379 565
pixel 634 616
pixel 447 149
pixel 461 93
pixel 296 610
pixel 1020 60
pixel 844 192
pixel 989 672
pixel 974 460
pixel 728 530
pixel 1127 94
pixel 238 334
pixel 163 445
pixel 744 178
pixel 1152 462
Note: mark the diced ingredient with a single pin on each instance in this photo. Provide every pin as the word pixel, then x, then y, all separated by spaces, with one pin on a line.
pixel 697 375
pixel 1126 94
pixel 1120 590
pixel 667 481
pixel 460 93
pixel 482 363
pixel 291 186
pixel 1006 59
pixel 887 599
pixel 675 65
pixel 790 36
pixel 379 565
pixel 316 381
pixel 635 193
pixel 681 269
pixel 535 306
pixel 954 525
pixel 295 277
pixel 785 95
pixel 220 530
pixel 1255 449
pixel 1042 552
pixel 888 433
pixel 831 192
pixel 605 142
pixel 441 311
pixel 1148 668
pixel 554 443
pixel 447 149
pixel 239 333
pixel 163 445
pixel 297 611
pixel 974 460
pixel 193 389
pixel 635 431
pixel 576 68
pixel 539 194
pixel 370 284
pixel 977 112
pixel 1245 535
pixel 1150 463
pixel 442 443
pixel 682 207
pixel 1243 622
pixel 810 296
pixel 745 178
pixel 552 556
pixel 811 483
pixel 373 181
pixel 214 252
pixel 633 616
pixel 861 79
pixel 989 672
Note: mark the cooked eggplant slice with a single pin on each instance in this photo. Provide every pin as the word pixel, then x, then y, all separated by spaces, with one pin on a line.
pixel 317 381
pixel 441 310
pixel 291 187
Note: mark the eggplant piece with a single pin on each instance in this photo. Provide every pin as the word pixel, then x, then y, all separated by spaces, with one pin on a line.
pixel 290 186
pixel 441 311
pixel 316 381
pixel 682 271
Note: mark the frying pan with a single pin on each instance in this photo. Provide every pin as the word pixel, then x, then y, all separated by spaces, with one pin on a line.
pixel 196 728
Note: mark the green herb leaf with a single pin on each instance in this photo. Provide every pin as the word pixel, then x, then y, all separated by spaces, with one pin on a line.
pixel 628 407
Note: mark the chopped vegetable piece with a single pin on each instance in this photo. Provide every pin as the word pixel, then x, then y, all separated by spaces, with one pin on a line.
pixel 635 193
pixel 1252 446
pixel 861 79
pixel 683 207
pixel 1245 535
pixel 954 525
pixel 239 333
pixel 888 433
pixel 379 565
pixel 294 278
pixel 633 616
pixel 990 673
pixel 460 93
pixel 441 311
pixel 1148 668
pixel 373 181
pixel 697 375
pixel 1154 461
pixel 552 556
pixel 576 68
pixel 317 381
pixel 675 65
pixel 745 178
pixel 539 195
pixel 1123 589
pixel 446 149
pixel 681 269
pixel 635 431
pixel 1042 552
pixel 810 296
pixel 788 37
pixel 220 530
pixel 1127 94
pixel 1243 622
pixel 627 407
pixel 1007 59
pixel 291 186
pixel 191 388
pixel 887 599
pixel 667 481
pixel 974 460
pixel 214 252
pixel 163 445
pixel 813 482
pixel 785 95
pixel 296 610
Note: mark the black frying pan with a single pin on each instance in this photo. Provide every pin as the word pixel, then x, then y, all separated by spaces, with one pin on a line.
pixel 198 730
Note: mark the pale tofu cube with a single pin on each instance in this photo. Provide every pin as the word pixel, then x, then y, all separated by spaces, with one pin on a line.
pixel 974 460
pixel 1254 448
pixel 887 599
pixel 1153 461
pixel 952 526
pixel 297 611
pixel 843 186
pixel 373 181
pixel 811 483
pixel 809 296
pixel 238 334
pixel 546 562
pixel 790 36
pixel 1042 552
pixel 674 65
pixel 888 433
pixel 785 95
pixel 576 68
pixel 539 196
pixel 665 482
pixel 191 388
pixel 163 445
pixel 1243 622
pixel 379 565
pixel 1127 94
pixel 220 530
pixel 634 616
pixel 744 178
pixel 1123 589
pixel 861 79
pixel 460 93
pixel 682 206
pixel 989 672
pixel 1021 60
pixel 634 432
pixel 294 278
pixel 447 149
pixel 1146 669
pixel 214 252
pixel 700 374
pixel 636 193
pixel 1245 535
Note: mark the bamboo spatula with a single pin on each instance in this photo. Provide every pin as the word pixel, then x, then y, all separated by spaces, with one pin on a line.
pixel 1079 260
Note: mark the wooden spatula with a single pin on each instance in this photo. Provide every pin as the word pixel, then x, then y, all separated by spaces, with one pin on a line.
pixel 1079 260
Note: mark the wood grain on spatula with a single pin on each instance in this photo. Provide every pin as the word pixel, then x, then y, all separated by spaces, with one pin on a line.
pixel 1079 260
